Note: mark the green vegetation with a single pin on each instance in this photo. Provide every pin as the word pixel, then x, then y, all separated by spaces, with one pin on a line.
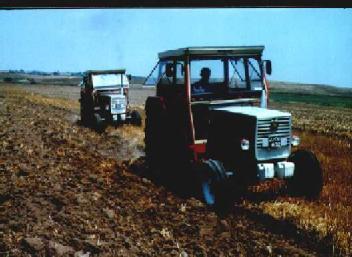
pixel 322 100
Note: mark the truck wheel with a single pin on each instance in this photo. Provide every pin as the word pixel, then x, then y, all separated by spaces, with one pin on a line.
pixel 308 176
pixel 100 125
pixel 215 186
pixel 136 118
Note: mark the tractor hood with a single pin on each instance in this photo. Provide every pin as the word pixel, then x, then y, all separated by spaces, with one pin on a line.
pixel 256 112
pixel 257 126
pixel 112 95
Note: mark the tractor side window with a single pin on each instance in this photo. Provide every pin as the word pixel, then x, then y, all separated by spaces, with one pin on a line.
pixel 158 74
pixel 89 84
pixel 164 79
pixel 165 86
pixel 237 74
pixel 254 74
pixel 180 74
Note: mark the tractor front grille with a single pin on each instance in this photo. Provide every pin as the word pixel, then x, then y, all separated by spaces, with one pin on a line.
pixel 266 130
pixel 118 105
pixel 274 129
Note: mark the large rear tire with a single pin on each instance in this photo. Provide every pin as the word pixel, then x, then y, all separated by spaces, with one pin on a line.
pixel 100 124
pixel 307 180
pixel 87 119
pixel 155 135
pixel 83 112
pixel 84 120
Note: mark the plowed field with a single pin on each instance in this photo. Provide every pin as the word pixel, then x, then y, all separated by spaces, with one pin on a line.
pixel 67 191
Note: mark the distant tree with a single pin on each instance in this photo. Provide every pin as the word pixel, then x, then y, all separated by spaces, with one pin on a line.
pixel 8 79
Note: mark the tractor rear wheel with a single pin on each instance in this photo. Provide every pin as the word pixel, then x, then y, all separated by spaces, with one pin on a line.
pixel 84 119
pixel 100 124
pixel 308 176
pixel 155 135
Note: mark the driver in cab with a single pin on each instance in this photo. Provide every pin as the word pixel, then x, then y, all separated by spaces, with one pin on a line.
pixel 202 86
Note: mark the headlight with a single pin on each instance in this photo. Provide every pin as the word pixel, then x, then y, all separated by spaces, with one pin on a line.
pixel 245 144
pixel 295 141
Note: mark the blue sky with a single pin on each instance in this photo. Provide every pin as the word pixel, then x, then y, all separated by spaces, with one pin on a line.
pixel 305 45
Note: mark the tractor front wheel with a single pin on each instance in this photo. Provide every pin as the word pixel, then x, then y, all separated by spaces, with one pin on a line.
pixel 216 187
pixel 308 176
pixel 136 118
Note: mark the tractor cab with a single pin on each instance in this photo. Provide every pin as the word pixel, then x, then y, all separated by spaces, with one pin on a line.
pixel 221 73
pixel 211 77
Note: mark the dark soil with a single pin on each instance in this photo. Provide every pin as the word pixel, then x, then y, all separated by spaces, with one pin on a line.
pixel 67 191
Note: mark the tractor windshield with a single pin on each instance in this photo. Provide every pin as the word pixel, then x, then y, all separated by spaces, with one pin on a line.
pixel 225 78
pixel 237 74
pixel 109 80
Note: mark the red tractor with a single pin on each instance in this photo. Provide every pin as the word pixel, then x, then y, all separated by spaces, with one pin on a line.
pixel 210 118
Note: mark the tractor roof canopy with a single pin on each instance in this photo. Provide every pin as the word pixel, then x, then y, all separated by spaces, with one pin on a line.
pixel 95 72
pixel 104 79
pixel 214 51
